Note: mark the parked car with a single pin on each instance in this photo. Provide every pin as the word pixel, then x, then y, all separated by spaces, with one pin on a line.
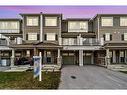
pixel 24 61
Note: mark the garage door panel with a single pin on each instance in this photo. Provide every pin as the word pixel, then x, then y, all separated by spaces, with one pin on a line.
pixel 68 60
pixel 87 60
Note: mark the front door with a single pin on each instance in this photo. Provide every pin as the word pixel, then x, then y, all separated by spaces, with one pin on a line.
pixel 117 56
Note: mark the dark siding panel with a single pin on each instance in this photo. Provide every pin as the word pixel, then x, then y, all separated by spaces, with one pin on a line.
pixel 110 37
pixel 122 37
pixel 45 37
pixel 26 36
pixel 38 37
pixel 104 37
pixel 56 37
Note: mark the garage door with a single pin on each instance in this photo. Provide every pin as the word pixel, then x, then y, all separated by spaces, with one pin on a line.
pixel 68 59
pixel 87 58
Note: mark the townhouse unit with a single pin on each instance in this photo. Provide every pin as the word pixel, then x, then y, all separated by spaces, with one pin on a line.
pixel 71 41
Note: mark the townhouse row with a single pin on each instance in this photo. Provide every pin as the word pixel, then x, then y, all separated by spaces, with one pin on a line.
pixel 72 41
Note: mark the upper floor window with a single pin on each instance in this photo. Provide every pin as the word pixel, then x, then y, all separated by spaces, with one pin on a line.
pixel 32 36
pixel 32 21
pixel 124 37
pixel 9 25
pixel 107 37
pixel 78 26
pixel 51 36
pixel 107 21
pixel 50 21
pixel 123 21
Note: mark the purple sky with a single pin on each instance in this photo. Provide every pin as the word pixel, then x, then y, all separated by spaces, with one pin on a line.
pixel 67 11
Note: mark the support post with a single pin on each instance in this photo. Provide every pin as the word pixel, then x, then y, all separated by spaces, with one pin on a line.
pixel 35 51
pixel 40 77
pixel 80 57
pixel 107 57
pixel 114 56
pixel 12 58
pixel 125 56
pixel 92 59
pixel 58 58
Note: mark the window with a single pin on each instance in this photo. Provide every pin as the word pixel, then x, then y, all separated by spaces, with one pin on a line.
pixel 107 37
pixel 77 26
pixel 50 21
pixel 51 36
pixel 48 55
pixel 125 37
pixel 32 36
pixel 9 27
pixel 32 21
pixel 121 53
pixel 28 53
pixel 123 21
pixel 107 21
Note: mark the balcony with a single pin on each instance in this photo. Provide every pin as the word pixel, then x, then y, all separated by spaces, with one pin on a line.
pixel 80 42
pixel 9 30
pixel 3 42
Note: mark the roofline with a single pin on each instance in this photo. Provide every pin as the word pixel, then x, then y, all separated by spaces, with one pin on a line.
pixel 40 13
pixel 10 19
pixel 107 15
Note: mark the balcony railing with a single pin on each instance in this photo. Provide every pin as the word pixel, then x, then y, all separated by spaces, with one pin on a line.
pixel 82 41
pixel 9 30
pixel 3 42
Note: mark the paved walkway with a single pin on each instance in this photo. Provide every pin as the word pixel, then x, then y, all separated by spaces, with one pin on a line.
pixel 91 77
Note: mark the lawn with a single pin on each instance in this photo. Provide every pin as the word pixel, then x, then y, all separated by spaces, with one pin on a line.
pixel 24 80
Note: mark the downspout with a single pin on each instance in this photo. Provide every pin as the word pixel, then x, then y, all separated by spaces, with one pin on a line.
pixel 41 27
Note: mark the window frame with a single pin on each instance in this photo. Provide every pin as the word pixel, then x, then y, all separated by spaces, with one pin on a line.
pixel 51 17
pixel 32 34
pixel 107 34
pixel 79 25
pixel 121 21
pixel 49 38
pixel 28 17
pixel 102 23
pixel 125 35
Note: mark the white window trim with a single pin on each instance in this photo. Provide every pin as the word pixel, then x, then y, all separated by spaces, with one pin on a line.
pixel 48 21
pixel 33 23
pixel 107 36
pixel 102 23
pixel 125 36
pixel 30 35
pixel 79 26
pixel 123 23
pixel 51 36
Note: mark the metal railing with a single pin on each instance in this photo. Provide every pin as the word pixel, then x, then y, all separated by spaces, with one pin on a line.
pixel 84 41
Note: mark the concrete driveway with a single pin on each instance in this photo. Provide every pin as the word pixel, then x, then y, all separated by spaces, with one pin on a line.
pixel 91 77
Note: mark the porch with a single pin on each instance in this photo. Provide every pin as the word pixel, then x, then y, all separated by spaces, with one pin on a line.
pixel 51 56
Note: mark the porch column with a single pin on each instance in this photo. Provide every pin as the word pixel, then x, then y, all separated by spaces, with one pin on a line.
pixel 107 57
pixel 58 57
pixel 80 57
pixel 12 58
pixel 35 51
pixel 92 58
pixel 126 56
pixel 114 56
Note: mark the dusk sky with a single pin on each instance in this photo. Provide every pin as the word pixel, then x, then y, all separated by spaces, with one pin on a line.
pixel 67 11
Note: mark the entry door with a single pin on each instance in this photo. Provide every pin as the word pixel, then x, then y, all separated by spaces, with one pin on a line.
pixel 117 56
pixel 87 58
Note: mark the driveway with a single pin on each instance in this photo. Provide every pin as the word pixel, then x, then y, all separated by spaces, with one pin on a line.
pixel 91 77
